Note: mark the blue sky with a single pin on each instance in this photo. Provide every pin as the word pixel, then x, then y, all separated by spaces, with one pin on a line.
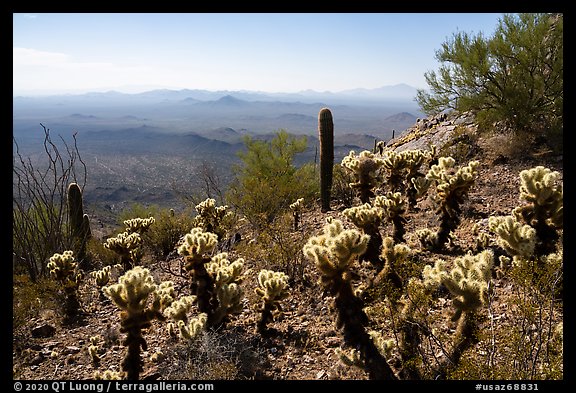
pixel 279 52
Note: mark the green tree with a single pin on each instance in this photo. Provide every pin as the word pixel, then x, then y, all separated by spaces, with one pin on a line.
pixel 267 181
pixel 515 77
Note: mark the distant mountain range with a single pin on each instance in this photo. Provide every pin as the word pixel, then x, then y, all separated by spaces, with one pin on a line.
pixel 399 92
pixel 137 146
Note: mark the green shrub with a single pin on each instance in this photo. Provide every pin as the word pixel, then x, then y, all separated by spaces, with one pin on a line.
pixel 267 181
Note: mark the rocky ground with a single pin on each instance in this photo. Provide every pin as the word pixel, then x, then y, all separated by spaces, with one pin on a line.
pixel 301 344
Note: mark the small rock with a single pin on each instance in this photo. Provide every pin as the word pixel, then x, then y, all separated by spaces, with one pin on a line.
pixel 44 330
pixel 320 374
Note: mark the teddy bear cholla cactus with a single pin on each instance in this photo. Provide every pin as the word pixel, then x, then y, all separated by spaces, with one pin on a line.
pixel 273 288
pixel 64 269
pixel 187 329
pixel 333 253
pixel 141 301
pixel 296 208
pixel 211 217
pixel 368 218
pixel 213 280
pixel 468 281
pixel 542 192
pixel 366 168
pixel 452 187
pixel 393 208
pixel 126 245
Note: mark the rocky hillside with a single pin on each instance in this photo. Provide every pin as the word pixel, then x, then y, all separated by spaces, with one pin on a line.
pixel 303 342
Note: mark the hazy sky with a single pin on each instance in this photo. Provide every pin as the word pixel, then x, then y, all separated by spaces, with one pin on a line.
pixel 281 52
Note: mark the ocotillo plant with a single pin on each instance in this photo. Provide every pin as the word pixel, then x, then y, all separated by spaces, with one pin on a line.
pixel 326 137
pixel 64 269
pixel 333 253
pixel 366 168
pixel 296 208
pixel 272 288
pixel 468 282
pixel 141 301
pixel 451 191
pixel 79 222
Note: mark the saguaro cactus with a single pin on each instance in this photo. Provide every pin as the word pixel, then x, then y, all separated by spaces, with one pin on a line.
pixel 79 222
pixel 326 137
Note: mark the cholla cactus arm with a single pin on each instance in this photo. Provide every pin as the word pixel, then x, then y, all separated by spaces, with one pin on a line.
pixel 62 266
pixel 229 297
pixel 193 329
pixel 138 225
pixel 223 271
pixel 102 277
pixel 393 208
pixel 335 250
pixel 517 239
pixel 368 218
pixel 197 243
pixel 393 255
pixel 467 280
pixel 179 308
pixel 452 187
pixel 272 288
pixel 196 251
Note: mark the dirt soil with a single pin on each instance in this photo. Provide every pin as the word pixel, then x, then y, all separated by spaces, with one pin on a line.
pixel 302 342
